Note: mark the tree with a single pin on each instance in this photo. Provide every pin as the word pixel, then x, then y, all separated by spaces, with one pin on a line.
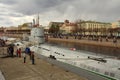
pixel 54 28
pixel 25 24
pixel 80 26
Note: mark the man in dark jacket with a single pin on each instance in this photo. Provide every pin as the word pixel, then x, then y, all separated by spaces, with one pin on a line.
pixel 32 57
pixel 11 50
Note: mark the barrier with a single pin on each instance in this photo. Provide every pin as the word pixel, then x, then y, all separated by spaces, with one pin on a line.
pixel 1 76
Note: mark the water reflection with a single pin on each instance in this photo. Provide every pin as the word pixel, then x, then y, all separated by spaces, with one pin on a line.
pixel 96 49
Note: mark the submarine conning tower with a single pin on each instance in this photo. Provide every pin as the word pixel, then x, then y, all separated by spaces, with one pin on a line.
pixel 37 33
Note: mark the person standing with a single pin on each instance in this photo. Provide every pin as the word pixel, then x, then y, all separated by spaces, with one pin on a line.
pixel 27 51
pixel 115 41
pixel 19 52
pixel 32 58
pixel 11 49
pixel 100 39
pixel 24 56
pixel 106 39
pixel 8 51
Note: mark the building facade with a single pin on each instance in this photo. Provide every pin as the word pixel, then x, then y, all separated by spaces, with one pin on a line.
pixel 68 27
pixel 116 24
pixel 93 28
pixel 16 32
pixel 2 30
pixel 115 30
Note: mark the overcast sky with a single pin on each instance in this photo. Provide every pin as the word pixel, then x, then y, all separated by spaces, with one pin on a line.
pixel 15 12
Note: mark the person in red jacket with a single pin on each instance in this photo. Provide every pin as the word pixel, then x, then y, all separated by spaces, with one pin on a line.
pixel 19 52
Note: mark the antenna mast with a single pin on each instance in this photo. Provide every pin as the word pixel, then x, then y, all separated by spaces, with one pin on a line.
pixel 38 20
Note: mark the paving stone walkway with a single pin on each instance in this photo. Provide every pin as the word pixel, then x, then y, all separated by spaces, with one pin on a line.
pixel 15 69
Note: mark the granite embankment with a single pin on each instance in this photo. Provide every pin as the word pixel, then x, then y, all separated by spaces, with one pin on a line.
pixel 88 42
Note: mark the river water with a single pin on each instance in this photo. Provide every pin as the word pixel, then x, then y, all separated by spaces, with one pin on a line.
pixel 98 50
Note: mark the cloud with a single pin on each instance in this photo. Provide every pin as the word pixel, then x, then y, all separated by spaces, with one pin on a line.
pixel 9 2
pixel 59 10
pixel 7 15
pixel 29 7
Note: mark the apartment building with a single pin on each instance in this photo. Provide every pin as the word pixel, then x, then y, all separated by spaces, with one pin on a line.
pixel 116 24
pixel 116 28
pixel 94 28
pixel 68 27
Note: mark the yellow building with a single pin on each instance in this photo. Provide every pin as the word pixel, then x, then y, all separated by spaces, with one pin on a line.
pixel 94 28
pixel 116 28
pixel 116 24
pixel 68 27
pixel 18 32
